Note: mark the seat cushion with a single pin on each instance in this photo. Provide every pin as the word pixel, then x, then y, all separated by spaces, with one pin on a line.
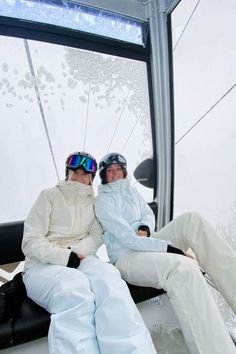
pixel 5 334
pixel 32 322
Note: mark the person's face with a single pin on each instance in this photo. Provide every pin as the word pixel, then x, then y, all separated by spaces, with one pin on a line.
pixel 80 176
pixel 114 173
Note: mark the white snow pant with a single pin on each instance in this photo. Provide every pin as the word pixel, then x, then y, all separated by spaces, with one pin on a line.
pixel 91 309
pixel 202 325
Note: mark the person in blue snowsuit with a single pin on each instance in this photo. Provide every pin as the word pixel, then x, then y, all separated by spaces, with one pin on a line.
pixel 159 259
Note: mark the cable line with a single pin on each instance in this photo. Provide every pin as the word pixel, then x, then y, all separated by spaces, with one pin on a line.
pixel 87 115
pixel 39 102
pixel 135 124
pixel 121 113
pixel 205 114
pixel 187 23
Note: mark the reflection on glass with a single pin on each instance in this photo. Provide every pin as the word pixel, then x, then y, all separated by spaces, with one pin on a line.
pixel 205 89
pixel 71 15
pixel 55 100
pixel 204 94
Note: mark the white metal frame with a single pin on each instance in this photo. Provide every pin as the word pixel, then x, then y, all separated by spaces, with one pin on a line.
pixel 157 12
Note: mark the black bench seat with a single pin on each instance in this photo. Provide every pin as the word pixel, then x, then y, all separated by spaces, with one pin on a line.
pixel 32 321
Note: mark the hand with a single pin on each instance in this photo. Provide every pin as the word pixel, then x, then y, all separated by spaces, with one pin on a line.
pixel 142 233
pixel 81 257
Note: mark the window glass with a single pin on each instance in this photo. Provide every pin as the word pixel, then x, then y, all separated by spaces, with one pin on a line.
pixel 68 14
pixel 56 100
pixel 204 56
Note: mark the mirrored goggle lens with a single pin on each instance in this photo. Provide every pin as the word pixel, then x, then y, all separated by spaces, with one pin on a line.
pixel 116 159
pixel 121 159
pixel 75 161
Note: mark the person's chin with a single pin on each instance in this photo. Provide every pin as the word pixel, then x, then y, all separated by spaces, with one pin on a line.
pixel 116 179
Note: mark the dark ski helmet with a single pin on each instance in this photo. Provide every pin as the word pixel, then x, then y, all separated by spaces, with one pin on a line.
pixel 81 159
pixel 108 160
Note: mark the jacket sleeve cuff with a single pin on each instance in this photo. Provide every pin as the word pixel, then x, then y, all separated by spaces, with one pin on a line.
pixel 173 249
pixel 144 228
pixel 74 260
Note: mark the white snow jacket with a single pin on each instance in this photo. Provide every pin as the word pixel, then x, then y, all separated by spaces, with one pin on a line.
pixel 121 210
pixel 61 220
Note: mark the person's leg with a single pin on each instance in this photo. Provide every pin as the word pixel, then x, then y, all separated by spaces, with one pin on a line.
pixel 119 325
pixel 202 325
pixel 216 257
pixel 66 294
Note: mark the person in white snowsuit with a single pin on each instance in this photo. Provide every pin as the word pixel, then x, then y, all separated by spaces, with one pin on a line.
pixel 91 309
pixel 161 260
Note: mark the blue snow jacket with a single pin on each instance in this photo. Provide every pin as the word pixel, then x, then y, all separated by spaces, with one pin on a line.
pixel 121 210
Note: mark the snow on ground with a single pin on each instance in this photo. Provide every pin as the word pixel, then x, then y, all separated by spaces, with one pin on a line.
pixel 163 325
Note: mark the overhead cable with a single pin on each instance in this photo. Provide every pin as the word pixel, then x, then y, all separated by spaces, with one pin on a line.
pixel 40 102
pixel 207 112
pixel 187 23
pixel 87 115
pixel 135 124
pixel 117 124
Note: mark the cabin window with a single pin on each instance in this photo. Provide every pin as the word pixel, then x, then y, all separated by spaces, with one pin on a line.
pixel 57 99
pixel 204 57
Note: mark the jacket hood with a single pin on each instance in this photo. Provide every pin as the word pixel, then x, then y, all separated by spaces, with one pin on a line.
pixel 117 186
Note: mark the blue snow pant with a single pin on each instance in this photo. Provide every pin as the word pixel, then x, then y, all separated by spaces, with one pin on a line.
pixel 91 309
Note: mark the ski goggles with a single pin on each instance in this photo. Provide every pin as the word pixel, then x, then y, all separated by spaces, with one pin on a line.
pixel 116 159
pixel 111 158
pixel 75 161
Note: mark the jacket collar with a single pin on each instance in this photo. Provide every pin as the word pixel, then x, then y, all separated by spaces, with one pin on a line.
pixel 73 190
pixel 117 186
